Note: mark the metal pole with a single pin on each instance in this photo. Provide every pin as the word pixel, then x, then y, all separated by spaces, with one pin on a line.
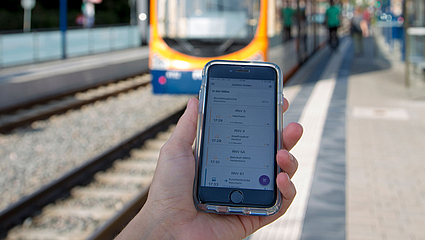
pixel 142 19
pixel 27 20
pixel 111 41
pixel 129 35
pixel 35 47
pixel 421 12
pixel 298 39
pixel 1 51
pixel 91 41
pixel 406 45
pixel 133 19
pixel 313 15
pixel 63 24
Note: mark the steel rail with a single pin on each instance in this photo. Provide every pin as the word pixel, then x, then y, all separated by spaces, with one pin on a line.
pixel 31 205
pixel 9 110
pixel 114 226
pixel 5 128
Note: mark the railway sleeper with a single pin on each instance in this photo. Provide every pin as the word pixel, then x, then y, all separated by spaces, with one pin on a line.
pixel 43 234
pixel 94 212
pixel 111 178
pixel 33 112
pixel 154 144
pixel 164 136
pixel 89 201
pixel 88 207
pixel 143 166
pixel 102 192
pixel 51 225
pixel 146 154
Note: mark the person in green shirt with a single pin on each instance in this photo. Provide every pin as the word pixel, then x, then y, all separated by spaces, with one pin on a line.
pixel 287 14
pixel 332 21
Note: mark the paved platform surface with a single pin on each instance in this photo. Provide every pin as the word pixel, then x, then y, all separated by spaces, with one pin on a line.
pixel 362 156
pixel 385 152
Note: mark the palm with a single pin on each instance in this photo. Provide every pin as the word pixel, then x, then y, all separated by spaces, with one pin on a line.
pixel 170 211
pixel 192 223
pixel 213 226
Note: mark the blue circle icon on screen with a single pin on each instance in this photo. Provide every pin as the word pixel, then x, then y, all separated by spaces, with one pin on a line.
pixel 264 180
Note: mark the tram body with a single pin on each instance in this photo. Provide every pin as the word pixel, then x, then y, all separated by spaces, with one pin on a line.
pixel 186 34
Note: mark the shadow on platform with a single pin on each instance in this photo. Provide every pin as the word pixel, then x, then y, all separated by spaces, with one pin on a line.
pixel 371 60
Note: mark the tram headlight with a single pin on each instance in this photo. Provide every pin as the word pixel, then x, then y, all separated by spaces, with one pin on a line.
pixel 178 64
pixel 159 63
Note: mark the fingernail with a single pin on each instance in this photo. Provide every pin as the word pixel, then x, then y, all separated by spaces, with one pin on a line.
pixel 289 179
pixel 189 103
pixel 290 156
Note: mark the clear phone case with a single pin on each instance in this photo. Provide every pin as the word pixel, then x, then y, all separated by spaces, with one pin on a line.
pixel 201 111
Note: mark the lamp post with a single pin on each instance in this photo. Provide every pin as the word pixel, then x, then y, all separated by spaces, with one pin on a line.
pixel 63 9
pixel 27 5
pixel 132 5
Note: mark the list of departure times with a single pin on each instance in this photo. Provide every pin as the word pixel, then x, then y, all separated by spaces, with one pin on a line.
pixel 238 149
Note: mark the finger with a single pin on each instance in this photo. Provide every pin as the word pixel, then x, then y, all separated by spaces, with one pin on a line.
pixel 287 162
pixel 285 105
pixel 185 131
pixel 291 134
pixel 286 187
pixel 288 190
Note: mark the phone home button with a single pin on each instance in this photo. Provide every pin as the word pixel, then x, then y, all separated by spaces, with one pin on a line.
pixel 236 196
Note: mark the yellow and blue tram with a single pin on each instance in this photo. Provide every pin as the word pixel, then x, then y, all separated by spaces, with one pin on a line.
pixel 186 34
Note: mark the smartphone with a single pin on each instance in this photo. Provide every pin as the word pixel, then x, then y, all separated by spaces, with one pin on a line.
pixel 240 123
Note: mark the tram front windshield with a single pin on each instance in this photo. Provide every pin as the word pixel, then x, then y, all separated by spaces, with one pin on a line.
pixel 207 28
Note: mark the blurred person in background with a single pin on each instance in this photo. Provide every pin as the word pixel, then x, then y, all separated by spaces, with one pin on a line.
pixel 359 29
pixel 302 25
pixel 88 10
pixel 332 21
pixel 366 15
pixel 287 14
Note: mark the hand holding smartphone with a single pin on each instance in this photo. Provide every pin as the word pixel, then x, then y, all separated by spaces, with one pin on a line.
pixel 239 133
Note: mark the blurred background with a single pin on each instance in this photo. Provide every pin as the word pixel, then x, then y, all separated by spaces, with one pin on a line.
pixel 91 89
pixel 45 14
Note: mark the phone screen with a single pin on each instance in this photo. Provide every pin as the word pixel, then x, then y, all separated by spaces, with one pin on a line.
pixel 239 140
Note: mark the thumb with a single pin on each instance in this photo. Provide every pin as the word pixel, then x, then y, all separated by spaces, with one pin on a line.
pixel 179 146
pixel 175 171
pixel 185 131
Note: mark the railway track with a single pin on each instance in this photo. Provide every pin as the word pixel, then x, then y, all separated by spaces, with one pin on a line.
pixel 96 200
pixel 42 110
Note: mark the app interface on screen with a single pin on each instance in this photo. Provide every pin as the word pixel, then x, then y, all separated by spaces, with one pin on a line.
pixel 238 150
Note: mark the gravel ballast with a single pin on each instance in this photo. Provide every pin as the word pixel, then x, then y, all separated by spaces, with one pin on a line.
pixel 35 156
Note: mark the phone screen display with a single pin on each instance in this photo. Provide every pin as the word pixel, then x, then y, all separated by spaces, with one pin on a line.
pixel 239 140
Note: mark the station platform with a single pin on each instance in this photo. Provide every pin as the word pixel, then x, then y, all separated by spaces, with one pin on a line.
pixel 360 174
pixel 27 83
pixel 360 159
